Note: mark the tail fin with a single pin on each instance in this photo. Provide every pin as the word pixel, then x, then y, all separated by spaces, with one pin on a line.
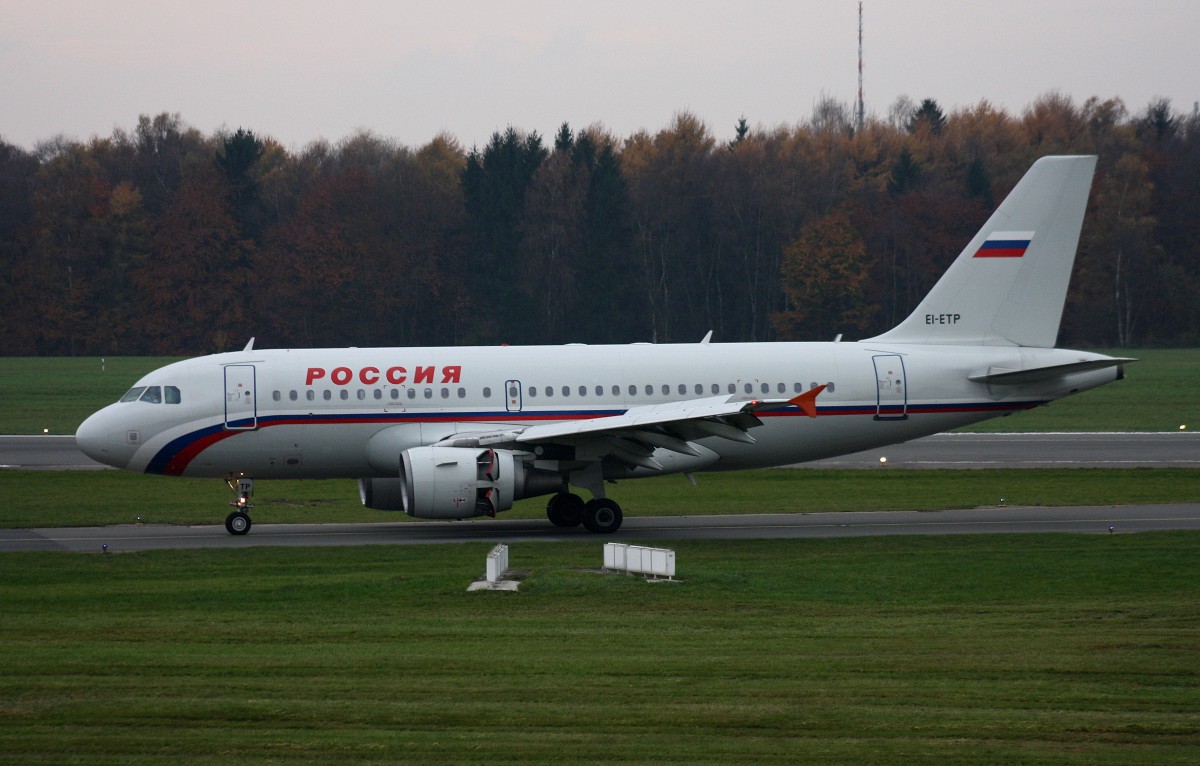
pixel 1007 288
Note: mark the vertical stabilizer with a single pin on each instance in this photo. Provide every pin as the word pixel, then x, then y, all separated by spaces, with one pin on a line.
pixel 1007 288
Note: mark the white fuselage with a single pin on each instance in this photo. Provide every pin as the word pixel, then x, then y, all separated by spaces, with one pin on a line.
pixel 348 413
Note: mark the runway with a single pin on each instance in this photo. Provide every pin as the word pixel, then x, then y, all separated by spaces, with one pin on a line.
pixel 954 451
pixel 996 520
pixel 1176 449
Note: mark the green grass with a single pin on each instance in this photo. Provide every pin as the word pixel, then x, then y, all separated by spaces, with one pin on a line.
pixel 87 498
pixel 55 394
pixel 1039 649
pixel 1158 394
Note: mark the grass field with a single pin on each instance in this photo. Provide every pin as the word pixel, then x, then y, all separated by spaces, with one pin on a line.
pixel 1033 649
pixel 53 498
pixel 1038 649
pixel 1158 394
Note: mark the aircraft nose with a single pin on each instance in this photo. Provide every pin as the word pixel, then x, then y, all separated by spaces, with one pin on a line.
pixel 94 440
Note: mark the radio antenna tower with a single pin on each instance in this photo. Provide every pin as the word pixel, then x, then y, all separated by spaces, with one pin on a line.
pixel 859 110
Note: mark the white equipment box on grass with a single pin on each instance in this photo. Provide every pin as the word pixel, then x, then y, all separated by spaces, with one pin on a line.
pixel 637 559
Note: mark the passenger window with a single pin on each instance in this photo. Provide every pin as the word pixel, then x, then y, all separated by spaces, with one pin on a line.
pixel 462 393
pixel 533 390
pixel 132 394
pixel 829 386
pixel 395 393
pixel 344 394
pixel 276 396
pixel 814 385
pixel 632 390
pixel 699 389
pixel 171 395
pixel 781 388
pixel 683 388
pixel 798 388
pixel 327 394
pixel 749 388
pixel 765 388
pixel 666 389
pixel 732 388
pixel 716 388
pixel 487 392
pixel 152 394
pixel 549 391
pixel 445 393
pixel 583 390
pixel 616 390
pixel 310 394
pixel 566 391
pixel 649 390
pixel 429 393
pixel 361 394
pixel 412 393
pixel 293 395
pixel 378 393
pixel 599 390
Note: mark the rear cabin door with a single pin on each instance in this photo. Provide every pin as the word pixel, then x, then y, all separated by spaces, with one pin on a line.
pixel 241 405
pixel 891 402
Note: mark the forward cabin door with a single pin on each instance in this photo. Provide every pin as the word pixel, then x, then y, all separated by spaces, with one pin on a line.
pixel 891 391
pixel 241 405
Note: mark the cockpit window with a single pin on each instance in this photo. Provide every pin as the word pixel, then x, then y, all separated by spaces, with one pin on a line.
pixel 152 394
pixel 132 394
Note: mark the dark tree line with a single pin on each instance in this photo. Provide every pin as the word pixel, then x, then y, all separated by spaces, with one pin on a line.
pixel 164 240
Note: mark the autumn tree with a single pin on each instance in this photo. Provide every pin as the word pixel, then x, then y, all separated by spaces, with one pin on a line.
pixel 194 287
pixel 824 281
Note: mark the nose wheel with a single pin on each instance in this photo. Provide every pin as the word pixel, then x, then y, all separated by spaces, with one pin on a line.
pixel 238 522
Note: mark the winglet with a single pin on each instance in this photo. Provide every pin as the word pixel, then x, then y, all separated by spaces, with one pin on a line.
pixel 807 401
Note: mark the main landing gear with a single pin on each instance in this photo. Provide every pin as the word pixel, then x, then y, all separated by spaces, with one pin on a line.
pixel 599 515
pixel 238 522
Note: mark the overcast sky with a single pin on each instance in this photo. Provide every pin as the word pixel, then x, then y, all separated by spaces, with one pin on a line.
pixel 298 70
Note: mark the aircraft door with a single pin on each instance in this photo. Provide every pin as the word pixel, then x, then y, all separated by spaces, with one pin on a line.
pixel 241 407
pixel 891 387
pixel 512 392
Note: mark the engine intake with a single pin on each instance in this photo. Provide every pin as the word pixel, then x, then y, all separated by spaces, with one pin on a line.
pixel 456 483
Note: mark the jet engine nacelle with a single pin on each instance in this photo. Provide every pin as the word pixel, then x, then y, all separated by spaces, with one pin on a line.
pixel 457 482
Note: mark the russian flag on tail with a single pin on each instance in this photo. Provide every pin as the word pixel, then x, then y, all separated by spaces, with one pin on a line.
pixel 1005 244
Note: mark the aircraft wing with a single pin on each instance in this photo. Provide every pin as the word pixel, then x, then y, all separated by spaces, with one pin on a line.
pixel 634 435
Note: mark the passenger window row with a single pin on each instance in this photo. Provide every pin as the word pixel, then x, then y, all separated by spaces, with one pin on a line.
pixel 682 389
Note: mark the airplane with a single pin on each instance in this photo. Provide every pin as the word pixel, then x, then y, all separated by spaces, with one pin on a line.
pixel 458 432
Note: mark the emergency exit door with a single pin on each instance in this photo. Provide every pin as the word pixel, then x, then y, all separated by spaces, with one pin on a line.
pixel 512 389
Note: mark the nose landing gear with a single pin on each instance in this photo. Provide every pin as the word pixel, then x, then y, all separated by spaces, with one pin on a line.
pixel 238 522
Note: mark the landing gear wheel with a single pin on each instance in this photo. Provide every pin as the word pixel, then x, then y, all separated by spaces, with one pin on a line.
pixel 602 516
pixel 565 510
pixel 237 523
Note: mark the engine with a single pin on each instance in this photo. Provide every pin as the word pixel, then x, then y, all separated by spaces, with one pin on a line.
pixel 457 482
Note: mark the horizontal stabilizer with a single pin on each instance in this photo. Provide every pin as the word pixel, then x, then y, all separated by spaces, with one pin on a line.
pixel 1037 374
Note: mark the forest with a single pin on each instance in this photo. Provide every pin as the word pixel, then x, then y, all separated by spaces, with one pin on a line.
pixel 163 240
